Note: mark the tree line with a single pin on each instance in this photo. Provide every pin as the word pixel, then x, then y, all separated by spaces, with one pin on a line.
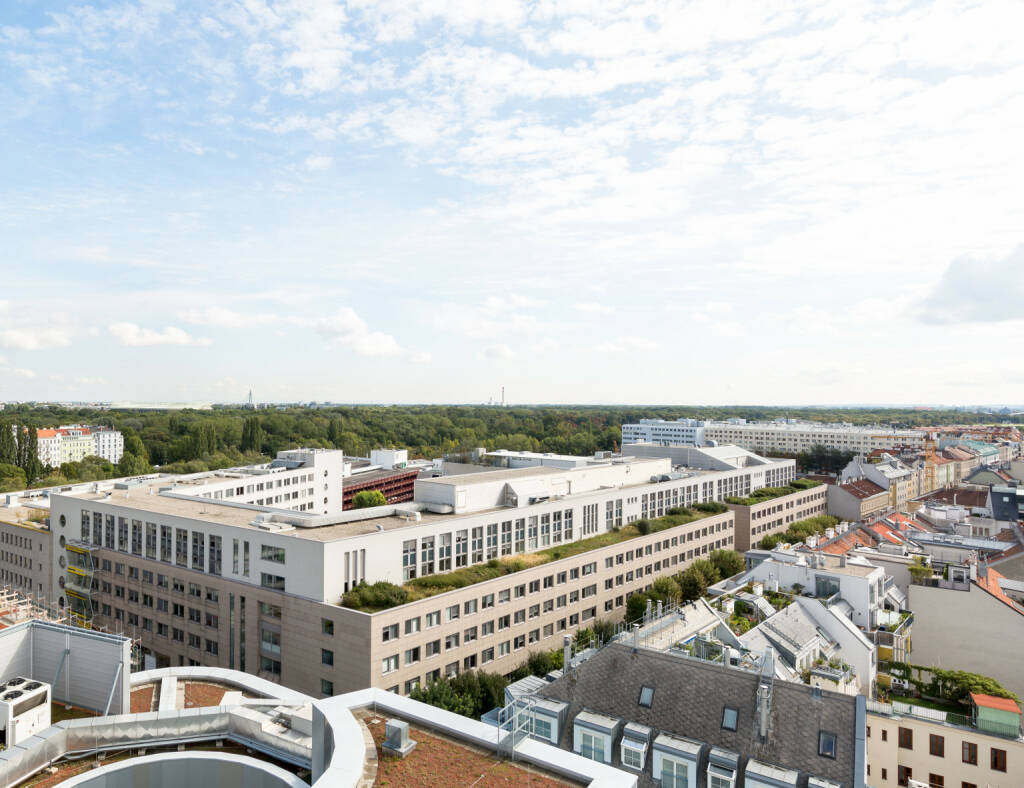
pixel 191 441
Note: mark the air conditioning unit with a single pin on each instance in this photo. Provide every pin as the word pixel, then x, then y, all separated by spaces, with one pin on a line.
pixel 24 710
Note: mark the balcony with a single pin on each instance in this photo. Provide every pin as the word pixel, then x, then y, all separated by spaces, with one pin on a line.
pixel 954 718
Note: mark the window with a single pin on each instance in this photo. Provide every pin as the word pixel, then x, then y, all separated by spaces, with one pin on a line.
pixel 390 632
pixel 412 625
pixel 826 744
pixel 906 739
pixel 389 664
pixel 970 753
pixel 326 688
pixel 903 775
pixel 936 745
pixel 271 553
pixel 673 774
pixel 592 746
pixel 632 755
pixel 268 665
pixel 968 785
pixel 326 627
pixel 275 582
pixel 997 760
pixel 646 696
pixel 542 728
pixel 270 611
pixel 885 735
pixel 720 780
pixel 434 619
pixel 412 656
pixel 326 657
pixel 729 716
pixel 936 781
pixel 270 641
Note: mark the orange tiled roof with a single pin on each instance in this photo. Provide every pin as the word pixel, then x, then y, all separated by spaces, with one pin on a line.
pixel 992 702
pixel 990 583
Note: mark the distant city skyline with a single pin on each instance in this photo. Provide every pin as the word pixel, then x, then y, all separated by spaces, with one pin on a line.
pixel 632 203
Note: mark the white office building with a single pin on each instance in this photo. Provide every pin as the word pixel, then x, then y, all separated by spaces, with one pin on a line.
pixel 788 436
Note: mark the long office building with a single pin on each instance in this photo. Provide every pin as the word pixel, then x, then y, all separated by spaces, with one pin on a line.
pixel 212 570
pixel 788 436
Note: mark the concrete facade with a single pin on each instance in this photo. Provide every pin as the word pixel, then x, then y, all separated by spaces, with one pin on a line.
pixel 759 520
pixel 968 630
pixel 857 501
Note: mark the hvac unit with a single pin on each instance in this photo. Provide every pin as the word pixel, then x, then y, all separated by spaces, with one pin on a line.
pixel 24 710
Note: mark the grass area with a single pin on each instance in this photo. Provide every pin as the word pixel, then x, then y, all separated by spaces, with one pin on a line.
pixel 768 493
pixel 383 596
pixel 926 704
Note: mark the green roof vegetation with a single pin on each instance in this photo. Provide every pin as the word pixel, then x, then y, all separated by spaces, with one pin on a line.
pixel 374 597
pixel 768 493
pixel 800 530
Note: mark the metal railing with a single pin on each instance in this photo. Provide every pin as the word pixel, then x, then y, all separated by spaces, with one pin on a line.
pixel 899 709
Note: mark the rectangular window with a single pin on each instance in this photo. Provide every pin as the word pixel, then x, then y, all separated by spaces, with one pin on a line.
pixel 271 553
pixel 674 774
pixel 274 582
pixel 270 611
pixel 181 547
pixel 936 745
pixel 997 760
pixel 326 657
pixel 903 775
pixel 408 559
pixel 906 739
pixel 592 746
pixel 969 753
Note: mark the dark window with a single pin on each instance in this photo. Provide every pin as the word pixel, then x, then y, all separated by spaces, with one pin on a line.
pixel 906 739
pixel 936 781
pixel 936 745
pixel 968 785
pixel 998 760
pixel 729 716
pixel 970 753
pixel 826 744
pixel 885 735
pixel 903 775
pixel 646 696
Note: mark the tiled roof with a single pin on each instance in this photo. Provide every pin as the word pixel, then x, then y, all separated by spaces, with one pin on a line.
pixel 845 543
pixel 689 699
pixel 963 496
pixel 865 488
pixel 990 582
pixel 885 533
pixel 992 702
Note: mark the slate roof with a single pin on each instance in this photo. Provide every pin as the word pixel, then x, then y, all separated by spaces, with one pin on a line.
pixel 689 698
pixel 863 488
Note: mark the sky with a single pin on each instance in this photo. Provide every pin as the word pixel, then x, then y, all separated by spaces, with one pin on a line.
pixel 588 201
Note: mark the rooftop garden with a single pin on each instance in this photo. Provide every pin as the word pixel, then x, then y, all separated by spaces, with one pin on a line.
pixel 374 597
pixel 799 531
pixel 768 493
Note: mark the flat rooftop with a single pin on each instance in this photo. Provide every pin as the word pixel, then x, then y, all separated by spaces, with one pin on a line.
pixel 499 475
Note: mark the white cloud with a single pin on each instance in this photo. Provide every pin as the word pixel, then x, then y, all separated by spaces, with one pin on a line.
pixel 17 373
pixel 133 335
pixel 498 352
pixel 36 338
pixel 594 309
pixel 318 163
pixel 978 290
pixel 626 344
pixel 346 329
pixel 220 316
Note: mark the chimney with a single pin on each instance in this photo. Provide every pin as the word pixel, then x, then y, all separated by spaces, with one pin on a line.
pixel 636 637
pixel 842 559
pixel 659 609
pixel 763 709
pixel 566 653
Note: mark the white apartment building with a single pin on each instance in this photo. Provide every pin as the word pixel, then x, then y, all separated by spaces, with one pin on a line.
pixel 75 442
pixel 681 432
pixel 786 435
pixel 202 573
pixel 108 444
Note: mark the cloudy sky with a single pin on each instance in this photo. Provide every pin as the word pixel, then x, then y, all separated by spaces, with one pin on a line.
pixel 585 201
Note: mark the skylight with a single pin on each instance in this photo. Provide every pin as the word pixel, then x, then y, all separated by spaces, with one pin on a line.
pixel 729 716
pixel 827 744
pixel 646 696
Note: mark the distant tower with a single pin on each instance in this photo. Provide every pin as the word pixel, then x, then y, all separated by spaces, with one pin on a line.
pixel 250 399
pixel 503 396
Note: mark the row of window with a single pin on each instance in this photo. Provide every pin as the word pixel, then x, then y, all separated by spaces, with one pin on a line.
pixel 937 748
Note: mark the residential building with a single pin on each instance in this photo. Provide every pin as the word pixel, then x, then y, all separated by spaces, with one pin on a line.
pixel 901 482
pixel 673 720
pixel 26 552
pixel 201 573
pixel 759 517
pixel 857 500
pixel 910 745
pixel 785 435
pixel 75 442
pixel 969 624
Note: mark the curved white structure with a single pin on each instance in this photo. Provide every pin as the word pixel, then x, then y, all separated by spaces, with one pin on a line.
pixel 172 769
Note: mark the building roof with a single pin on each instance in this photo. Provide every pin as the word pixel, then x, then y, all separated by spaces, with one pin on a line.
pixel 864 488
pixel 992 702
pixel 988 580
pixel 843 543
pixel 689 699
pixel 963 496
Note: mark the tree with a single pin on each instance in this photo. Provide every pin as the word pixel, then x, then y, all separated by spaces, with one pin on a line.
pixel 12 478
pixel 727 562
pixel 667 590
pixel 367 498
pixel 8 446
pixel 636 606
pixel 252 435
pixel 28 453
pixel 442 694
pixel 132 465
pixel 694 581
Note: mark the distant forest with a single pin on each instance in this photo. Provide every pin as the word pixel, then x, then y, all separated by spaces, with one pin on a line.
pixel 193 440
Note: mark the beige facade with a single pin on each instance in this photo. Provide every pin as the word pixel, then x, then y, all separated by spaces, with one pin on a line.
pixel 759 520
pixel 25 557
pixel 187 617
pixel 858 501
pixel 941 755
